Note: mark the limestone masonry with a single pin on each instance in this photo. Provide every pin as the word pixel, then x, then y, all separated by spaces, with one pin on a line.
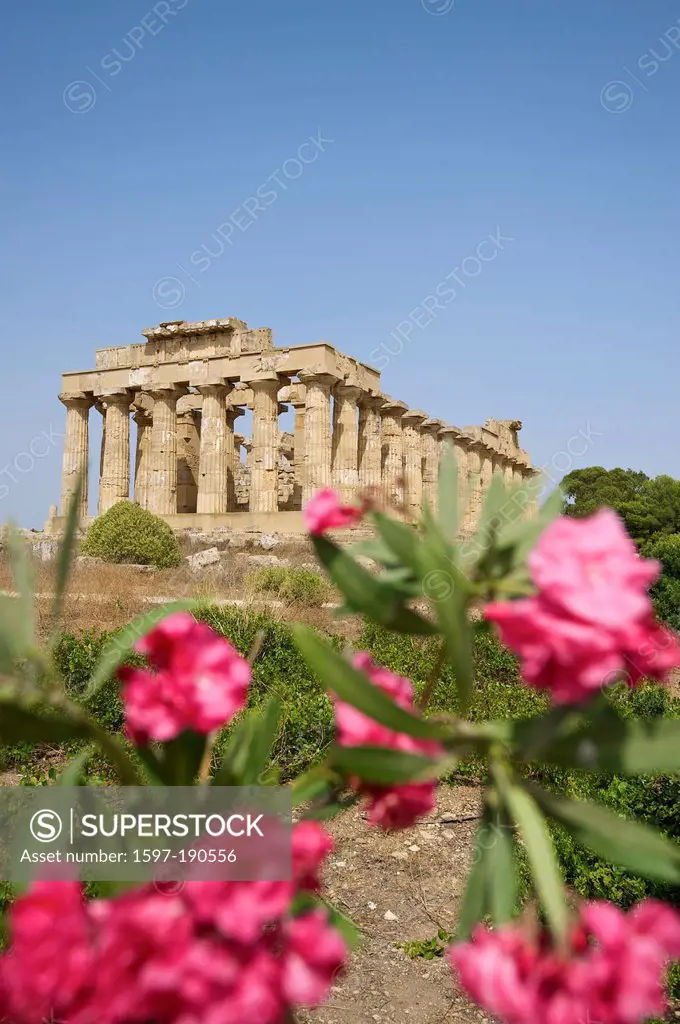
pixel 187 385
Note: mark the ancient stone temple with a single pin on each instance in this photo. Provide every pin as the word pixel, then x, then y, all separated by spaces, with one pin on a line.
pixel 185 388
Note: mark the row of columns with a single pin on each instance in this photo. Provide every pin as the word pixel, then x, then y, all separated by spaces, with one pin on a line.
pixel 374 442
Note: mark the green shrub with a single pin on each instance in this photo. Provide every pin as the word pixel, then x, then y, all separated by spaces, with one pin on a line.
pixel 667 550
pixel 307 715
pixel 306 724
pixel 128 533
pixel 651 799
pixel 666 597
pixel 303 586
pixel 76 655
pixel 498 690
pixel 651 700
pixel 498 693
pixel 665 592
pixel 654 800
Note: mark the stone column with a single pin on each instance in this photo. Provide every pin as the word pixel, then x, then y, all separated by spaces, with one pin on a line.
pixel 102 412
pixel 76 451
pixel 370 441
pixel 188 458
pixel 285 475
pixel 476 452
pixel 241 471
pixel 487 457
pixel 264 473
pixel 214 453
pixel 532 482
pixel 453 437
pixel 114 485
pixel 317 471
pixel 298 404
pixel 430 455
pixel 461 447
pixel 413 461
pixel 393 452
pixel 248 446
pixel 233 412
pixel 508 476
pixel 498 465
pixel 345 445
pixel 163 455
pixel 144 420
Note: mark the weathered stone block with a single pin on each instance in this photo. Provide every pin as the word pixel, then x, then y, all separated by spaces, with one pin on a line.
pixel 45 550
pixel 202 559
pixel 266 560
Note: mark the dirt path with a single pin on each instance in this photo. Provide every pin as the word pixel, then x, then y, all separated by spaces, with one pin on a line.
pixel 399 888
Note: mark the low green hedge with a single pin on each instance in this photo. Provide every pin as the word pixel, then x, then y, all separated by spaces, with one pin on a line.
pixel 307 712
pixel 307 718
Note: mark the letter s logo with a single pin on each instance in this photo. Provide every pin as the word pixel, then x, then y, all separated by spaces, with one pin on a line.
pixel 45 826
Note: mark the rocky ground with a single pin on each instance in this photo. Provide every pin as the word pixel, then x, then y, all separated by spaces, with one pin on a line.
pixel 401 888
pixel 104 596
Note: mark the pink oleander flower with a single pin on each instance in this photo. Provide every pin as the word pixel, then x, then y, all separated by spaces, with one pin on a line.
pixel 398 806
pixel 311 846
pixel 314 955
pixel 47 973
pixel 591 568
pixel 210 952
pixel 612 972
pixel 200 682
pixel 324 512
pixel 142 939
pixel 239 910
pixel 591 620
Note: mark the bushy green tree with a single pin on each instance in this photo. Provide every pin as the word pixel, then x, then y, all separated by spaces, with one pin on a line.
pixel 648 507
pixel 655 511
pixel 666 591
pixel 128 533
pixel 586 490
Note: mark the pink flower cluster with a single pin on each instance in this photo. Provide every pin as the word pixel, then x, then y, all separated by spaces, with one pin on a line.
pixel 212 952
pixel 325 511
pixel 200 682
pixel 613 972
pixel 591 621
pixel 389 806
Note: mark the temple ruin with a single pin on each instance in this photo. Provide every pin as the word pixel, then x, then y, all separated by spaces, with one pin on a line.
pixel 187 385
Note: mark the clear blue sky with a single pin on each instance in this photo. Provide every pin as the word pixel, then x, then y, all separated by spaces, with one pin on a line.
pixel 446 125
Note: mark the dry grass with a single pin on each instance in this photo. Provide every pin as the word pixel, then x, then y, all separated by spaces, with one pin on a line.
pixel 106 596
